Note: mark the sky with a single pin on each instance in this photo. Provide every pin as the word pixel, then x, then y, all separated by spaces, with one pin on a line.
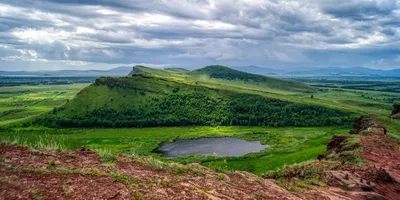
pixel 281 34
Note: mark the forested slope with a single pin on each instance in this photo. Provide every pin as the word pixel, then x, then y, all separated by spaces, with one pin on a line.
pixel 146 101
pixel 226 75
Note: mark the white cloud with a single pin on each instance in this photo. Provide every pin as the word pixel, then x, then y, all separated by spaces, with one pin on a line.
pixel 42 36
pixel 25 55
pixel 187 32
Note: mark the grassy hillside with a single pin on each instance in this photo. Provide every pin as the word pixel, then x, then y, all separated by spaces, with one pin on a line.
pixel 146 101
pixel 228 76
pixel 177 69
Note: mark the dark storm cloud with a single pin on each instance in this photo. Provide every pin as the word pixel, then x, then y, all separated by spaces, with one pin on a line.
pixel 360 9
pixel 103 33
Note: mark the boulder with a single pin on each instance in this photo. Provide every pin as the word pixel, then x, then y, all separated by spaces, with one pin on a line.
pixel 364 125
pixel 396 109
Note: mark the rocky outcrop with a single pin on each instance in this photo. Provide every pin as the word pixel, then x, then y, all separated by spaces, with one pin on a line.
pixel 366 125
pixel 136 71
pixel 396 111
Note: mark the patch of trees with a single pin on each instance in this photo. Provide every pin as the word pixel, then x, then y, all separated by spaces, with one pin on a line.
pixel 114 82
pixel 198 109
pixel 222 72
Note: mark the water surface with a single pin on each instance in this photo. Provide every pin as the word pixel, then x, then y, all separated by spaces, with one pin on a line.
pixel 227 146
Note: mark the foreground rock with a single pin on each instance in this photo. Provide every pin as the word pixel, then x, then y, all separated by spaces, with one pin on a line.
pixel 378 176
pixel 36 174
pixel 364 164
pixel 396 111
pixel 366 125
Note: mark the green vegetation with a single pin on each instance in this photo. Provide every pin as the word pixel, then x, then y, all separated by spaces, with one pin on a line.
pixel 228 76
pixel 19 103
pixel 106 155
pixel 288 145
pixel 374 98
pixel 258 108
pixel 174 69
pixel 143 101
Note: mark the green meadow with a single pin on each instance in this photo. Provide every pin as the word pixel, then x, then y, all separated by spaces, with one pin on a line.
pixel 18 103
pixel 288 145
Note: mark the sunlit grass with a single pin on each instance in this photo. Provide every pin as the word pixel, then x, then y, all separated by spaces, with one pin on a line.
pixel 41 141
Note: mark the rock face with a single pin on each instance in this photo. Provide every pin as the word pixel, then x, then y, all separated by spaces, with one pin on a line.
pixel 137 71
pixel 364 125
pixel 396 109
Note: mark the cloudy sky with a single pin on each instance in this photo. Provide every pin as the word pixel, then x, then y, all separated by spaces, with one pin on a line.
pixel 102 34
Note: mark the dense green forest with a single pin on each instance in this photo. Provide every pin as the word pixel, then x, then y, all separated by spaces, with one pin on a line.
pixel 222 72
pixel 227 76
pixel 145 101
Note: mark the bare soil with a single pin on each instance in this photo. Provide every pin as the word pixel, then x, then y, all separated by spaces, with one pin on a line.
pixel 37 174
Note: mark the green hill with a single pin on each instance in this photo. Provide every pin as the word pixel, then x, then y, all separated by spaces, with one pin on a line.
pixel 177 69
pixel 146 100
pixel 228 76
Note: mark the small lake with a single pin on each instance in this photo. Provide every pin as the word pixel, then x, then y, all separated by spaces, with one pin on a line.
pixel 227 146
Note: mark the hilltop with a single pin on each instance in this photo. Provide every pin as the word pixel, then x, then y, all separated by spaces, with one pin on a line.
pixel 228 76
pixel 151 97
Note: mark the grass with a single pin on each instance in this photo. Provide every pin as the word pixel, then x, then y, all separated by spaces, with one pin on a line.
pixel 288 145
pixel 378 103
pixel 41 140
pixel 19 103
pixel 106 156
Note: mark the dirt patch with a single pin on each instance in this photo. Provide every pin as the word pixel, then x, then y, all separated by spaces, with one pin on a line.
pixel 25 157
pixel 37 174
pixel 383 156
pixel 63 186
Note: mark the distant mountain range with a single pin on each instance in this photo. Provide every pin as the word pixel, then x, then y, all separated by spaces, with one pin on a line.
pixel 124 70
pixel 328 71
pixel 116 72
pixel 259 70
pixel 353 71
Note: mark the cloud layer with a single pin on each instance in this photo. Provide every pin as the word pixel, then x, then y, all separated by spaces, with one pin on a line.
pixel 53 34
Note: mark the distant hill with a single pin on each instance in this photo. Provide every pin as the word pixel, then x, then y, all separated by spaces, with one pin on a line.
pixel 226 75
pixel 351 71
pixel 176 69
pixel 259 70
pixel 124 70
pixel 116 72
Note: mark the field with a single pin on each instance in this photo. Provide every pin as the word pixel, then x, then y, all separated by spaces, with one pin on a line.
pixel 292 144
pixel 17 103
pixel 289 145
pixel 376 97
